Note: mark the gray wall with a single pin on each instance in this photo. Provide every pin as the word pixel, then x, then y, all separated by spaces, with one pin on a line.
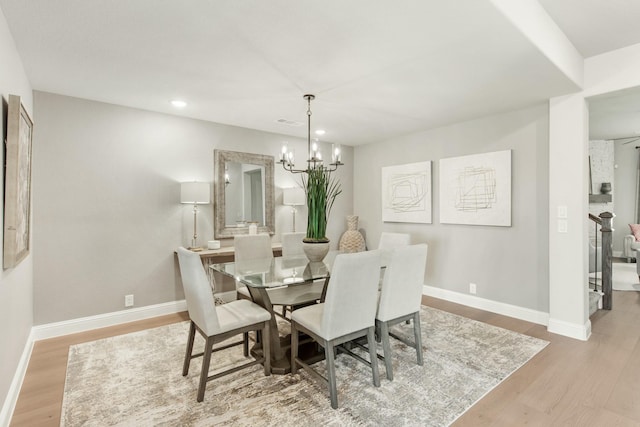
pixel 508 264
pixel 626 165
pixel 16 284
pixel 106 201
pixel 601 155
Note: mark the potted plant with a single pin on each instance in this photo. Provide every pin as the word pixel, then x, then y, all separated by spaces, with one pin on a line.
pixel 321 190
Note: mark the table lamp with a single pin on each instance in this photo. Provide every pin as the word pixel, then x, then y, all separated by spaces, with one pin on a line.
pixel 293 197
pixel 196 193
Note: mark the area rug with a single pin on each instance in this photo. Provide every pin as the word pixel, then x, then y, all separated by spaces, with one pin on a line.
pixel 624 277
pixel 136 380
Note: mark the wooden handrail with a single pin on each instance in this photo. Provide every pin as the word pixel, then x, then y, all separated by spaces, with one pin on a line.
pixel 595 219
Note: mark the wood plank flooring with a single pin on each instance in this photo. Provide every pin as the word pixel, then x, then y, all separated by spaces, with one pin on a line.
pixel 571 382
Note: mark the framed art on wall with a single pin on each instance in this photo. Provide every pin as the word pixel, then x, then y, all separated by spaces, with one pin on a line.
pixel 476 189
pixel 17 193
pixel 406 193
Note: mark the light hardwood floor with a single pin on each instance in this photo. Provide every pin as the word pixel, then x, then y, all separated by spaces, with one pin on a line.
pixel 570 382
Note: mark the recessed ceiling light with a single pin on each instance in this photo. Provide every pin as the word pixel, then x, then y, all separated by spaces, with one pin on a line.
pixel 320 132
pixel 178 103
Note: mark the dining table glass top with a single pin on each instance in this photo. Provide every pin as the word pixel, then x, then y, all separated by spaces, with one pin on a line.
pixel 274 272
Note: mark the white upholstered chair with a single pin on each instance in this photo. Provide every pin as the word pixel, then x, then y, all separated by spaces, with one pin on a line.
pixel 389 241
pixel 400 298
pixel 249 247
pixel 217 323
pixel 630 246
pixel 347 313
pixel 393 240
pixel 292 244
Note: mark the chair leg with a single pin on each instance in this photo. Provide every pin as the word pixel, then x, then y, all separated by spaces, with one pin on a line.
pixel 245 344
pixel 418 336
pixel 371 342
pixel 386 348
pixel 266 348
pixel 294 348
pixel 331 373
pixel 187 356
pixel 206 360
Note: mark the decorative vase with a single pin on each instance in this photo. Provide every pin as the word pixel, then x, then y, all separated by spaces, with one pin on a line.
pixel 315 252
pixel 352 240
pixel 605 188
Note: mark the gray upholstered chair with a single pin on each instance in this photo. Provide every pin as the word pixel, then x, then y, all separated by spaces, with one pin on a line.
pixel 348 313
pixel 292 244
pixel 217 323
pixel 250 247
pixel 400 298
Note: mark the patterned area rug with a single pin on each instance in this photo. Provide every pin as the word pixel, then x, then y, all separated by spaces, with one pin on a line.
pixel 136 380
pixel 624 277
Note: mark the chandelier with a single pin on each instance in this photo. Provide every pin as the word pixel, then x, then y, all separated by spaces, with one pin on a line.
pixel 314 160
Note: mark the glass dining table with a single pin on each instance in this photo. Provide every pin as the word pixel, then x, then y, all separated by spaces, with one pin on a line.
pixel 292 282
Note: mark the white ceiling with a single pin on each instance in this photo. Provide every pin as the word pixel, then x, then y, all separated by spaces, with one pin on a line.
pixel 596 26
pixel 378 69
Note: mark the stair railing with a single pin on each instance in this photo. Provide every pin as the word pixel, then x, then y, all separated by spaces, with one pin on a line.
pixel 605 222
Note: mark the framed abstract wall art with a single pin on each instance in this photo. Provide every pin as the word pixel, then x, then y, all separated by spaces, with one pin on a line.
pixel 17 195
pixel 476 189
pixel 406 193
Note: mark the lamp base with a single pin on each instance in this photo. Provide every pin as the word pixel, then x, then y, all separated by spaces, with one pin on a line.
pixel 198 249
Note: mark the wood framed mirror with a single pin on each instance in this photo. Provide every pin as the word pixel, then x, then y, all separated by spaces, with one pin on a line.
pixel 244 193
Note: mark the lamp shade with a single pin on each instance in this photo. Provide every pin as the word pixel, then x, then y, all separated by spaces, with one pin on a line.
pixel 293 196
pixel 195 193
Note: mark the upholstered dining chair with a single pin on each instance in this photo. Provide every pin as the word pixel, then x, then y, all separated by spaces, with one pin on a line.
pixel 389 241
pixel 250 247
pixel 400 298
pixel 347 313
pixel 217 323
pixel 292 244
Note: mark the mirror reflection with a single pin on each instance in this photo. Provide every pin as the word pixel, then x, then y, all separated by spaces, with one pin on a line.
pixel 244 193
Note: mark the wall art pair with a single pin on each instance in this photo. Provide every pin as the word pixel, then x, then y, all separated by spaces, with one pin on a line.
pixel 473 190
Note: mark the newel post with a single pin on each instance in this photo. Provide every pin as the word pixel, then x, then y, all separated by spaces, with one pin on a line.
pixel 607 254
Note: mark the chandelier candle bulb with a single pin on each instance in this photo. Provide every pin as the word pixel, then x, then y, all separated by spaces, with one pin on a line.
pixel 336 155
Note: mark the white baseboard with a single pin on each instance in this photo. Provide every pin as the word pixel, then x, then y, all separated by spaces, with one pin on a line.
pixel 16 384
pixel 571 330
pixel 82 324
pixel 539 317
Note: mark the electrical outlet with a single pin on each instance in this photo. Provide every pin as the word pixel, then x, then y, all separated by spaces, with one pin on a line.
pixel 128 300
pixel 472 288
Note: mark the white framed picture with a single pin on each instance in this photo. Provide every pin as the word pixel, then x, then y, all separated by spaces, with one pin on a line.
pixel 406 193
pixel 476 189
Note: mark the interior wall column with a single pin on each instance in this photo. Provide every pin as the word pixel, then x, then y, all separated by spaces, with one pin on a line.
pixel 568 211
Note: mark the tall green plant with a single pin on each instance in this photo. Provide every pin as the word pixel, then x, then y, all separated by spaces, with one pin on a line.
pixel 321 189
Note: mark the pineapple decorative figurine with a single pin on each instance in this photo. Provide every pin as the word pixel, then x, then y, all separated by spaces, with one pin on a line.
pixel 352 240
